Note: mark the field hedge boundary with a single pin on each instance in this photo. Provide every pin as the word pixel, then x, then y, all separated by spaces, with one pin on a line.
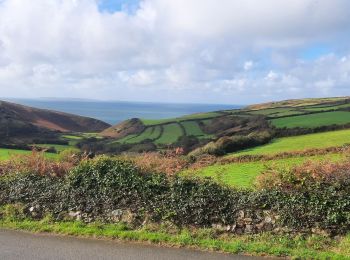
pixel 114 190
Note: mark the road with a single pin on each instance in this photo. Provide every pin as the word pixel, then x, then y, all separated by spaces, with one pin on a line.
pixel 16 245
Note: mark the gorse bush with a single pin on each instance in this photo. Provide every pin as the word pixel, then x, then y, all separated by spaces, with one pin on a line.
pixel 303 199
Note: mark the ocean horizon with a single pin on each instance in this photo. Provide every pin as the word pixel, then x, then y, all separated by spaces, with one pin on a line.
pixel 113 112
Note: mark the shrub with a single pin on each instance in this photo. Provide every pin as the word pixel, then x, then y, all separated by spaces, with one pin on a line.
pixel 234 143
pixel 312 195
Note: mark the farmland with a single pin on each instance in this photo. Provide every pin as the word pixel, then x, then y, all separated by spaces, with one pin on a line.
pixel 296 115
pixel 6 154
pixel 313 120
pixel 298 143
pixel 170 134
pixel 242 175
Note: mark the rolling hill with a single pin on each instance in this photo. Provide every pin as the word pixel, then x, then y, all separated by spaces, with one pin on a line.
pixel 277 119
pixel 23 122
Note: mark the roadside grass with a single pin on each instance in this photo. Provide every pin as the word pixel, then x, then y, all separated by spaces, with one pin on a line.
pixel 299 143
pixel 242 175
pixel 170 134
pixel 313 120
pixel 300 247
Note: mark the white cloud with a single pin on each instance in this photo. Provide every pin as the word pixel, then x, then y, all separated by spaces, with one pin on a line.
pixel 178 48
pixel 248 65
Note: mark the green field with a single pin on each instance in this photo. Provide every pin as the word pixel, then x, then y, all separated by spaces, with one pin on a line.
pixel 326 107
pixel 242 175
pixel 150 133
pixel 149 122
pixel 299 143
pixel 170 135
pixel 276 112
pixel 313 120
pixel 7 153
pixel 59 148
pixel 192 128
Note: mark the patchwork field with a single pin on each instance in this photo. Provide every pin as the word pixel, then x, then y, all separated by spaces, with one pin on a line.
pixel 242 175
pixel 171 132
pixel 149 122
pixel 299 143
pixel 313 120
pixel 5 154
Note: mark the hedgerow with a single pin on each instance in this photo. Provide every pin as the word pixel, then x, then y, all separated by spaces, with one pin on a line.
pixel 303 199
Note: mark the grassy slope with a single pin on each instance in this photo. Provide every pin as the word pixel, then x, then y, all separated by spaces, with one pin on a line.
pixel 284 110
pixel 242 175
pixel 302 142
pixel 313 120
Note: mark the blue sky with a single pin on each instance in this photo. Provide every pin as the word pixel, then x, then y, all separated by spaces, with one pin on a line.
pixel 202 51
pixel 315 51
pixel 115 5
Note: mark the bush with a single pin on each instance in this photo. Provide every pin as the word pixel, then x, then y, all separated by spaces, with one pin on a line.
pixel 312 195
pixel 234 143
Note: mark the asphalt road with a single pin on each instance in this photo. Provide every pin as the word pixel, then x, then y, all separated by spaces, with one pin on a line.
pixel 16 245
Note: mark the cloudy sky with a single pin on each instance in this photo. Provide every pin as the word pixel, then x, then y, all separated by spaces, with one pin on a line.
pixel 206 51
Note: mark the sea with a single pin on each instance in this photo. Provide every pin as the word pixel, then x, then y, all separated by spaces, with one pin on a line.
pixel 114 112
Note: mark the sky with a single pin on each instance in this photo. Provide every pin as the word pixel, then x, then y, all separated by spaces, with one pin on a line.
pixel 193 51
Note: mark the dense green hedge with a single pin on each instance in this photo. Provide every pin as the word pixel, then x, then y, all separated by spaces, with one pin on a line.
pixel 98 187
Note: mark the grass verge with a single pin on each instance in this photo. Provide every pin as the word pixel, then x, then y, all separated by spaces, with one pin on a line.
pixel 300 247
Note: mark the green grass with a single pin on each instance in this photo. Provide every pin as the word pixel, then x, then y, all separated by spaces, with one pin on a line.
pixel 59 148
pixel 301 247
pixel 192 128
pixel 270 111
pixel 313 120
pixel 149 133
pixel 242 175
pixel 6 154
pixel 149 122
pixel 326 108
pixel 302 142
pixel 170 134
